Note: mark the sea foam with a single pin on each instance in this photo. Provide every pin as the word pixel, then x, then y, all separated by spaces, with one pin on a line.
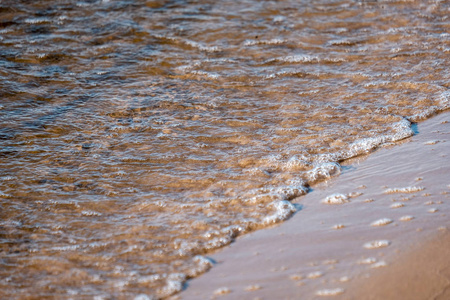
pixel 409 189
pixel 283 210
pixel 381 222
pixel 336 199
pixel 377 244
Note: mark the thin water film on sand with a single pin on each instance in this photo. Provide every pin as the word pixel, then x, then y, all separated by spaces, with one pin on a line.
pixel 136 136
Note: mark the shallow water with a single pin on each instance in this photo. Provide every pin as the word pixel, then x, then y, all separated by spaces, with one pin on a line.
pixel 137 135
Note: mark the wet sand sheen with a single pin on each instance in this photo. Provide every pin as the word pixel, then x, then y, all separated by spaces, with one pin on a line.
pixel 138 136
pixel 377 253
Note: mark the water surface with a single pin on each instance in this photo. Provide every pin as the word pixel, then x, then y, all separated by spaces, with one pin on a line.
pixel 136 136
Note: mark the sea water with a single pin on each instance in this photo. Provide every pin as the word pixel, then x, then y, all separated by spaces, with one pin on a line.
pixel 138 136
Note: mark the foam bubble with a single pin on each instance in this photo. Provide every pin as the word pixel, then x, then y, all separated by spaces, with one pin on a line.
pixel 406 218
pixel 336 199
pixel 291 192
pixel 434 142
pixel 338 226
pixel 264 42
pixel 37 20
pixel 143 297
pixel 90 213
pixel 355 194
pixel 379 264
pixel 171 287
pixel 381 222
pixel 314 275
pixel 283 210
pixel 377 244
pixel 397 205
pixel 252 288
pixel 330 292
pixel 402 130
pixel 324 171
pixel 202 47
pixel 409 189
pixel 367 261
pixel 222 291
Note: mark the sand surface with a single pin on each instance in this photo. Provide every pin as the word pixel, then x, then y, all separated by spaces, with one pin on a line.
pixel 389 239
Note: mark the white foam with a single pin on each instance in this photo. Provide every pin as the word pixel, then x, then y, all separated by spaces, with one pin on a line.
pixel 406 218
pixel 298 59
pixel 367 261
pixel 90 213
pixel 283 210
pixel 205 74
pixel 397 205
pixel 330 292
pixel 251 288
pixel 171 287
pixel 264 42
pixel 434 142
pixel 379 264
pixel 408 189
pixel 202 47
pixel 381 222
pixel 377 244
pixel 233 230
pixel 402 130
pixel 324 171
pixel 143 297
pixel 222 291
pixel 314 275
pixel 338 226
pixel 336 199
pixel 291 192
pixel 37 20
pixel 355 194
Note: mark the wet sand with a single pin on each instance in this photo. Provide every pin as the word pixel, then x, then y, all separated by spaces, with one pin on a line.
pixel 380 230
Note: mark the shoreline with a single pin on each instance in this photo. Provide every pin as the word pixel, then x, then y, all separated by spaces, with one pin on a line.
pixel 395 200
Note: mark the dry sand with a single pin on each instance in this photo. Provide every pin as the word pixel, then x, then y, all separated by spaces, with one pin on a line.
pixel 389 240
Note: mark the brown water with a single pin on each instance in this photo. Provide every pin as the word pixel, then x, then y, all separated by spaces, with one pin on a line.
pixel 136 136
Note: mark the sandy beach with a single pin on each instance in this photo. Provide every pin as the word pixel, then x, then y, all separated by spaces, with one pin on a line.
pixel 379 230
